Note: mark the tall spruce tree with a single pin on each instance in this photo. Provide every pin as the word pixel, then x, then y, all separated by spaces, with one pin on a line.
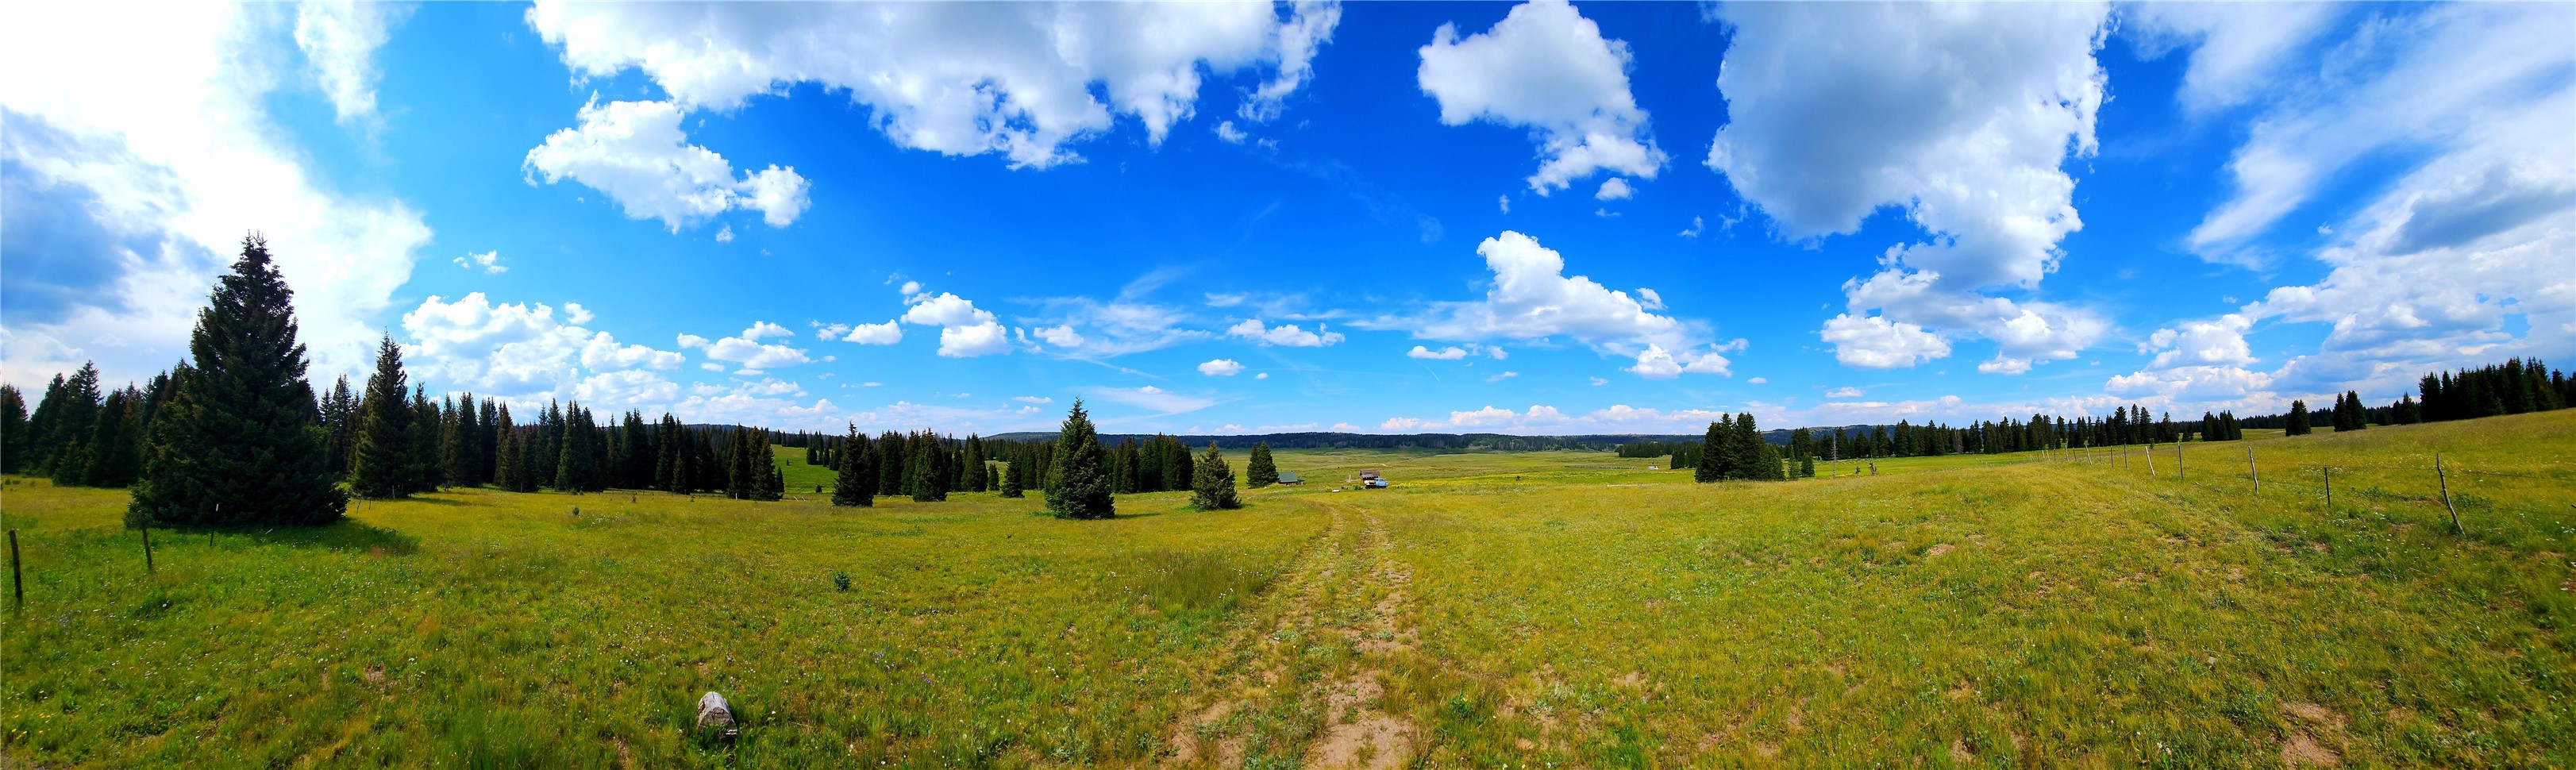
pixel 116 444
pixel 13 429
pixel 739 484
pixel 510 470
pixel 1212 482
pixel 768 481
pixel 1712 448
pixel 894 450
pixel 427 424
pixel 2298 422
pixel 380 464
pixel 1762 460
pixel 927 471
pixel 237 444
pixel 854 481
pixel 489 440
pixel 339 425
pixel 1260 471
pixel 463 444
pixel 65 419
pixel 577 465
pixel 976 480
pixel 1077 483
pixel 1011 479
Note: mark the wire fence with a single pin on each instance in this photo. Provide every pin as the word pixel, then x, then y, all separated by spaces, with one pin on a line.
pixel 2441 490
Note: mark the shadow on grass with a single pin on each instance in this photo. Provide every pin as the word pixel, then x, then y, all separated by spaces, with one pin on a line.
pixel 343 535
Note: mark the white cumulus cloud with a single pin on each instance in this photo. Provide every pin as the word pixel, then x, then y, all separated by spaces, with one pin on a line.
pixel 1019 79
pixel 637 154
pixel 1546 68
pixel 887 333
pixel 1223 367
pixel 523 353
pixel 1873 342
pixel 747 350
pixel 1962 116
pixel 1656 363
pixel 964 330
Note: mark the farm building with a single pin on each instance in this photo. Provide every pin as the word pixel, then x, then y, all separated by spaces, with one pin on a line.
pixel 1370 479
pixel 1290 478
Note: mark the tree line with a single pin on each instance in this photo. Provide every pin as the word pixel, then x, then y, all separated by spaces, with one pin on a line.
pixel 2517 386
pixel 2125 425
pixel 235 435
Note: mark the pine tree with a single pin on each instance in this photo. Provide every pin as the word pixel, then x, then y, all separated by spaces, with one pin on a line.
pixel 1806 466
pixel 1260 471
pixel 426 425
pixel 854 480
pixel 67 416
pixel 1178 466
pixel 770 483
pixel 1711 466
pixel 738 481
pixel 2298 422
pixel 237 444
pixel 572 464
pixel 381 462
pixel 2351 415
pixel 1011 480
pixel 894 451
pixel 116 442
pixel 953 461
pixel 339 425
pixel 975 471
pixel 1077 483
pixel 488 444
pixel 1212 482
pixel 510 469
pixel 927 482
pixel 13 429
pixel 464 444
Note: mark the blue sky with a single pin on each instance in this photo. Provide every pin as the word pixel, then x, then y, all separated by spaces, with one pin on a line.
pixel 1535 218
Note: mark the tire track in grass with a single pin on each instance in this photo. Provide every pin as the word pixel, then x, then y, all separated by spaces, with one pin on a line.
pixel 1358 733
pixel 1301 684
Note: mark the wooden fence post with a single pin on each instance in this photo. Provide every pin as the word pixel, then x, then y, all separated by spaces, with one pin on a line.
pixel 2253 472
pixel 2179 473
pixel 2150 451
pixel 2445 478
pixel 147 551
pixel 17 582
pixel 2328 470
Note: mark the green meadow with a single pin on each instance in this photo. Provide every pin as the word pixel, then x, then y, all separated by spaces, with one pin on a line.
pixel 1542 609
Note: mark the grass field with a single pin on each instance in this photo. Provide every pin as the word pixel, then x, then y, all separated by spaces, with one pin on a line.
pixel 1547 609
